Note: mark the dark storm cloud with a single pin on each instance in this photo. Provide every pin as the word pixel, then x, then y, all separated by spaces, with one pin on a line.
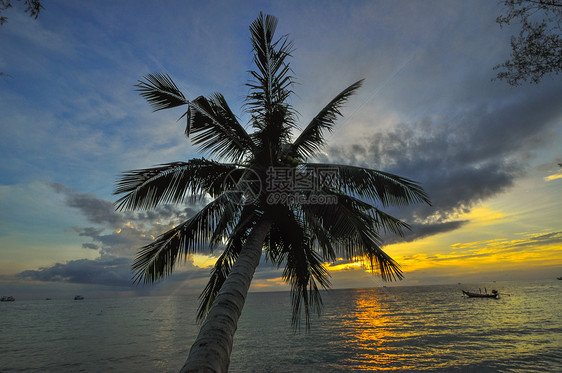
pixel 477 154
pixel 90 246
pixel 107 270
pixel 96 210
pixel 424 230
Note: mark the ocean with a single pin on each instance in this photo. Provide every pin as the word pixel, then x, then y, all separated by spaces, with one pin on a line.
pixel 404 329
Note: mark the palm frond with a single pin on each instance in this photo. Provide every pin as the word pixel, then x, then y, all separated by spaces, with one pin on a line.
pixel 311 139
pixel 228 221
pixel 389 223
pixel 380 219
pixel 271 136
pixel 172 182
pixel 157 259
pixel 271 83
pixel 283 234
pixel 353 229
pixel 215 128
pixel 387 188
pixel 305 271
pixel 320 237
pixel 161 92
pixel 289 243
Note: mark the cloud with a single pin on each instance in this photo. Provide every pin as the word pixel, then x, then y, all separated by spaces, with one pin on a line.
pixel 117 236
pixel 267 270
pixel 100 211
pixel 419 231
pixel 96 210
pixel 124 241
pixel 553 177
pixel 537 241
pixel 90 246
pixel 460 163
pixel 107 270
pixel 478 261
pixel 120 233
pixel 531 249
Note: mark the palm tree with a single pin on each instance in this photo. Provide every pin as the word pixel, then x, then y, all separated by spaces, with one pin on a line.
pixel 331 211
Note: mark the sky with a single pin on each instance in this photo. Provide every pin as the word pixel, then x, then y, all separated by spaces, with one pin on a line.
pixel 71 121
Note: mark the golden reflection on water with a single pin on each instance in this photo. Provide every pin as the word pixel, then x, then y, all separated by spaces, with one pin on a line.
pixel 370 329
pixel 435 328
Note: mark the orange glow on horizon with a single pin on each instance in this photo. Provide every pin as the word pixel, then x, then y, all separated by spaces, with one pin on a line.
pixel 345 266
pixel 259 285
pixel 530 248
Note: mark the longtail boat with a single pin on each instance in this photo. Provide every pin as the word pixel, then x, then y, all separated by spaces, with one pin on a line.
pixel 469 294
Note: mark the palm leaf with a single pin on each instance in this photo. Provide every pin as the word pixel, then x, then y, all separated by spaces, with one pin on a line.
pixel 157 259
pixel 305 271
pixel 354 231
pixel 387 188
pixel 173 182
pixel 312 138
pixel 270 87
pixel 215 128
pixel 161 92
pixel 320 237
pixel 271 83
pixel 289 243
pixel 284 232
pixel 228 221
pixel 389 223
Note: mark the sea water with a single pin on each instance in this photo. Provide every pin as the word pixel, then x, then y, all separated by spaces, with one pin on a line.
pixel 408 329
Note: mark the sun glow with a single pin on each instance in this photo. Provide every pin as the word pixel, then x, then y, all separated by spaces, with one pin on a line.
pixel 553 177
pixel 346 266
pixel 203 261
pixel 528 248
pixel 482 215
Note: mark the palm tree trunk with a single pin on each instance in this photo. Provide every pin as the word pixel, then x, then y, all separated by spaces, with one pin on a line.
pixel 212 348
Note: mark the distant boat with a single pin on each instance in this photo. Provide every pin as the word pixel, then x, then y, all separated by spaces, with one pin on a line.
pixel 78 297
pixel 8 298
pixel 494 294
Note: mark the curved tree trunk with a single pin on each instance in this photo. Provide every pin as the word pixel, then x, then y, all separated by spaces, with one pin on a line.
pixel 212 348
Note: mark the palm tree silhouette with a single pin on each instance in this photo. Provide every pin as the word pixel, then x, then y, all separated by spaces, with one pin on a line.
pixel 329 211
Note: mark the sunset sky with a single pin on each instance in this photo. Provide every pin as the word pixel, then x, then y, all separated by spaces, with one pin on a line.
pixel 487 153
